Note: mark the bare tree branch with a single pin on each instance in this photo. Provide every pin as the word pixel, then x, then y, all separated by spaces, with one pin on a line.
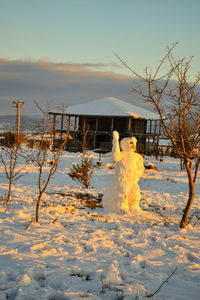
pixel 165 281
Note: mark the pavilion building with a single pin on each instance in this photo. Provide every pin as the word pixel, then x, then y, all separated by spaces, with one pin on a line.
pixel 91 124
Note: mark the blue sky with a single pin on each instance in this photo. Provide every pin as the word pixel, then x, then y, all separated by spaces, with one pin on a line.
pixel 87 34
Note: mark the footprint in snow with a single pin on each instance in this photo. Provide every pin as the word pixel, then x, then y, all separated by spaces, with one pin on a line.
pixel 143 264
pixel 191 257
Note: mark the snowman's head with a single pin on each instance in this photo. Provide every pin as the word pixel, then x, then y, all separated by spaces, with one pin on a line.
pixel 128 144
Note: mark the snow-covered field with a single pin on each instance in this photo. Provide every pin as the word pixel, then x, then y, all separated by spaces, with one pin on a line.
pixel 81 253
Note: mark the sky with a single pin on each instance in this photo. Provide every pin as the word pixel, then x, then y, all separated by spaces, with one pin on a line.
pixel 66 49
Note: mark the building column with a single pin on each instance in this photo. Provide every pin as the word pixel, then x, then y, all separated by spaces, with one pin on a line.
pixel 97 124
pixel 75 125
pixel 54 127
pixel 129 125
pixel 95 133
pixel 61 128
pixel 112 121
pixel 150 126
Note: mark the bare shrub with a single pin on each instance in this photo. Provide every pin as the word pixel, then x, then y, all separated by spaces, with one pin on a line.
pixel 45 156
pixel 9 157
pixel 83 172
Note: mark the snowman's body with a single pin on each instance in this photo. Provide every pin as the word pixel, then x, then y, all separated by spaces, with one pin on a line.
pixel 123 192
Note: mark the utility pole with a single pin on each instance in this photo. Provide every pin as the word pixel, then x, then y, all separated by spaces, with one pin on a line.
pixel 17 105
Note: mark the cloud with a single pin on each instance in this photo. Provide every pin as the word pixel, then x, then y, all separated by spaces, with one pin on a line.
pixel 68 83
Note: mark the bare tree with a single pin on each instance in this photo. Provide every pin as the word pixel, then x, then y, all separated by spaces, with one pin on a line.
pixel 177 101
pixel 46 155
pixel 83 172
pixel 9 156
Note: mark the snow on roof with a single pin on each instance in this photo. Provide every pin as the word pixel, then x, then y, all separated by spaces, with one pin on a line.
pixel 110 106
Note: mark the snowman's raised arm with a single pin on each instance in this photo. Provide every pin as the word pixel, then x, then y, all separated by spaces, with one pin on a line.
pixel 116 153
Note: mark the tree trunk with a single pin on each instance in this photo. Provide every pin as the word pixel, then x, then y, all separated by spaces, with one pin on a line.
pixel 190 199
pixel 182 166
pixel 9 191
pixel 37 208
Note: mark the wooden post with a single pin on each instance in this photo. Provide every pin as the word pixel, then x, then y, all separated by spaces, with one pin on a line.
pixel 129 125
pixel 155 126
pixel 95 133
pixel 97 123
pixel 159 128
pixel 94 141
pixel 133 125
pixel 54 127
pixel 112 125
pixel 61 128
pixel 69 122
pixel 148 150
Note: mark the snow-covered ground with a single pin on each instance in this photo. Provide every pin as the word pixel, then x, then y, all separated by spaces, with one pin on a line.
pixel 81 253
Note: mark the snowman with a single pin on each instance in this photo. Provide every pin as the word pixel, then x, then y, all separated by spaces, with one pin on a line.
pixel 123 192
